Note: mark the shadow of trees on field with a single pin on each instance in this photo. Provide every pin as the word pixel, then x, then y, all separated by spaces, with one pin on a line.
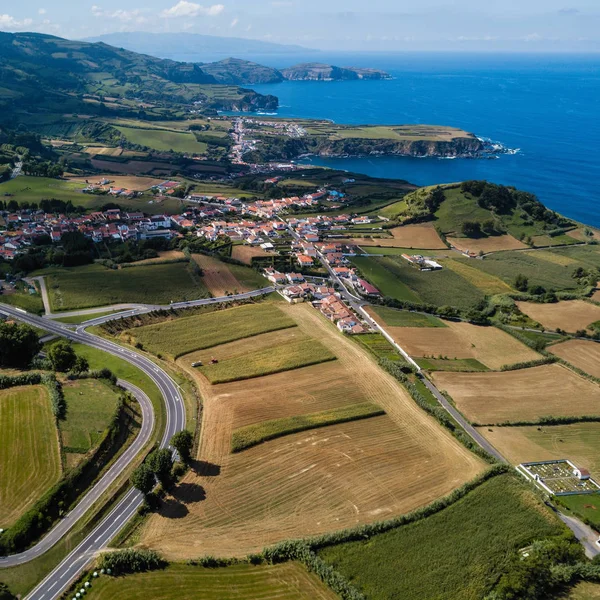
pixel 189 493
pixel 171 508
pixel 204 468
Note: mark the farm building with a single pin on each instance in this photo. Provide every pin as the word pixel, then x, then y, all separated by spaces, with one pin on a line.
pixel 367 288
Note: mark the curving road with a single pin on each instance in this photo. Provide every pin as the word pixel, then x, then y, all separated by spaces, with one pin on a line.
pixel 59 579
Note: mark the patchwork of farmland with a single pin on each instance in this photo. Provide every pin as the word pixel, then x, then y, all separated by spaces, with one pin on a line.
pixel 489 345
pixel 570 315
pixel 29 450
pixel 313 481
pixel 186 335
pixel 522 395
pixel 579 442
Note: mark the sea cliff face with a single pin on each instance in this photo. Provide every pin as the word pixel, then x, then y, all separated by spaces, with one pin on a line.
pixel 458 147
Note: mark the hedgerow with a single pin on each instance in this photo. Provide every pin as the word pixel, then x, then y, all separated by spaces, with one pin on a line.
pixel 132 561
pixel 8 381
pixel 57 398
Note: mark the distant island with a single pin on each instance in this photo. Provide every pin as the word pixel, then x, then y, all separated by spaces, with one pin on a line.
pixel 323 72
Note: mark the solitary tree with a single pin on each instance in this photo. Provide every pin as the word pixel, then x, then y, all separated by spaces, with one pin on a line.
pixel 183 442
pixel 143 479
pixel 81 365
pixel 62 356
pixel 161 463
pixel 521 282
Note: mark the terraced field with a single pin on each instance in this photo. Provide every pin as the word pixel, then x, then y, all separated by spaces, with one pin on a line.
pixel 29 450
pixel 522 395
pixel 288 581
pixel 489 345
pixel 314 481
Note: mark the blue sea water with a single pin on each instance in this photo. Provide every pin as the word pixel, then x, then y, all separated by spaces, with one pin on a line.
pixel 548 106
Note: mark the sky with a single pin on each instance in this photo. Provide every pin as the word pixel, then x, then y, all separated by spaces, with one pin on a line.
pixel 353 25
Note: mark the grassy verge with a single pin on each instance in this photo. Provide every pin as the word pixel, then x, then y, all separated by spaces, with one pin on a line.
pixel 249 436
pixel 77 319
pixel 403 318
pixel 269 360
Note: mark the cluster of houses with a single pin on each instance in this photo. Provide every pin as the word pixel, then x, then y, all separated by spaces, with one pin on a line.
pixel 105 186
pixel 294 288
pixel 23 228
pixel 422 263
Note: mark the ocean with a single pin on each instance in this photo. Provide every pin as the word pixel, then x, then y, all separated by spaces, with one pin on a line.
pixel 547 106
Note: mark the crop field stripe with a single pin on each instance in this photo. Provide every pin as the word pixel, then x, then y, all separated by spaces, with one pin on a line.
pixel 249 436
pixel 403 318
pixel 29 450
pixel 266 361
pixel 188 334
pixel 485 282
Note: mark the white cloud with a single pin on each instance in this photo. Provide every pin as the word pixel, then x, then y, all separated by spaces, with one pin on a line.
pixel 190 9
pixel 125 16
pixel 42 11
pixel 234 22
pixel 9 22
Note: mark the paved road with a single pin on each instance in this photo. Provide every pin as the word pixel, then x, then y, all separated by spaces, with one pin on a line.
pixel 59 579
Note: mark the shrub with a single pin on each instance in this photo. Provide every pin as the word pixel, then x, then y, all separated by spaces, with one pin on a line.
pixel 132 561
pixel 57 398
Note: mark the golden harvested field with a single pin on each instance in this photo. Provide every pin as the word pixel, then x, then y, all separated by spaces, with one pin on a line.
pixel 489 284
pixel 408 236
pixel 494 243
pixel 595 296
pixel 217 277
pixel 584 355
pixel 287 581
pixel 245 253
pixel 137 184
pixel 29 450
pixel 489 345
pixel 569 315
pixel 579 442
pixel 584 591
pixel 103 151
pixel 522 395
pixel 310 482
pixel 551 257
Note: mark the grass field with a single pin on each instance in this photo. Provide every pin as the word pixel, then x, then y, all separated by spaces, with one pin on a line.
pixel 94 285
pixel 387 251
pixel 377 345
pixel 570 315
pixel 507 265
pixel 77 319
pixel 489 345
pixel 33 189
pixel 394 277
pixel 586 506
pixel 288 581
pixel 494 243
pixel 403 318
pixel 90 407
pixel 251 435
pixel 265 361
pixel 408 236
pixel 163 140
pixel 310 482
pixel 221 278
pixel 129 182
pixel 584 591
pixel 29 452
pixel 522 395
pixel 182 336
pixel 579 442
pixel 583 355
pixel 23 299
pixel 456 554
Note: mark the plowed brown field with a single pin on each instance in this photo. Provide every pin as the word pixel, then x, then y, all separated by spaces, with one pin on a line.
pixel 569 315
pixel 217 277
pixel 309 482
pixel 491 346
pixel 245 253
pixel 523 395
